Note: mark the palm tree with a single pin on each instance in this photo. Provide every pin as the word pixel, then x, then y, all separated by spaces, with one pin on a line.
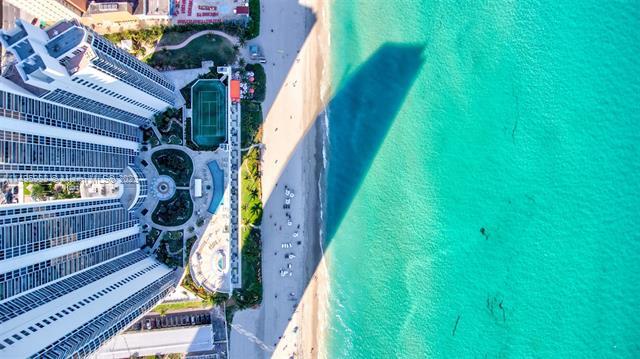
pixel 37 192
pixel 256 208
pixel 253 193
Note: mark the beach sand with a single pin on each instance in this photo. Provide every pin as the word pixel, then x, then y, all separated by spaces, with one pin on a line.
pixel 294 39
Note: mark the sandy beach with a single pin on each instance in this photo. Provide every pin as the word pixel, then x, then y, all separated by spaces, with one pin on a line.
pixel 290 321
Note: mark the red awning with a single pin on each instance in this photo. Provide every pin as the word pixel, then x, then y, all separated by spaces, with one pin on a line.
pixel 235 90
pixel 242 10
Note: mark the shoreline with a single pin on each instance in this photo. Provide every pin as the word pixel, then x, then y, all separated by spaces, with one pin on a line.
pixel 314 341
pixel 295 41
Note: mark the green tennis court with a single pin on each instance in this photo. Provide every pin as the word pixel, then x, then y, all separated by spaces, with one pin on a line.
pixel 209 117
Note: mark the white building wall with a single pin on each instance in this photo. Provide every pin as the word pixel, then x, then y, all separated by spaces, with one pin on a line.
pixel 58 251
pixel 47 10
pixel 122 95
pixel 119 87
pixel 10 124
pixel 50 333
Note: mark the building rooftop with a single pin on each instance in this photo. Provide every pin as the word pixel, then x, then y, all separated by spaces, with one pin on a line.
pixel 23 50
pixel 11 74
pixel 242 10
pixel 59 28
pixel 107 6
pixel 76 62
pixel 65 42
pixel 14 36
pixel 32 64
pixel 78 4
pixel 154 7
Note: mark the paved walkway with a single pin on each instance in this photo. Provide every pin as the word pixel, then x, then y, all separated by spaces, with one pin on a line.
pixel 182 78
pixel 233 39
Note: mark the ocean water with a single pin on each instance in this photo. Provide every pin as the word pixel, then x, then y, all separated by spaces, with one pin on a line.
pixel 483 186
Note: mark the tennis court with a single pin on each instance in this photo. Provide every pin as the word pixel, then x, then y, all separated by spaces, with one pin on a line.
pixel 209 105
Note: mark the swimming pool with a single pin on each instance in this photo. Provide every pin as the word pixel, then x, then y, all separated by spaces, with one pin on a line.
pixel 218 185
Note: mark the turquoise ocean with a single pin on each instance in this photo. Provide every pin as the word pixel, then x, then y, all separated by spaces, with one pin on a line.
pixel 483 180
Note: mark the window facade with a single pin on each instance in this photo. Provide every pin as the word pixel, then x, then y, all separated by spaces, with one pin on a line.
pixel 42 228
pixel 45 113
pixel 32 276
pixel 77 101
pixel 86 339
pixel 26 155
pixel 24 303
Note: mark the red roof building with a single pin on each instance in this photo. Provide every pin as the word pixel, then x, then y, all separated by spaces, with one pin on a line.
pixel 235 90
pixel 242 10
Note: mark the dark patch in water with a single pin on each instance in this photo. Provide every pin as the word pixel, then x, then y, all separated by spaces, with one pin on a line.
pixel 455 326
pixel 495 306
pixel 484 233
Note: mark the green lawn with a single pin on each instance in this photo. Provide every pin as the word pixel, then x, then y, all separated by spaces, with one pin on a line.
pixel 251 123
pixel 175 38
pixel 251 292
pixel 208 47
pixel 168 307
pixel 251 188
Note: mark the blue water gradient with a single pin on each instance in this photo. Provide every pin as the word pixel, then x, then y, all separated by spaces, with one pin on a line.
pixel 484 184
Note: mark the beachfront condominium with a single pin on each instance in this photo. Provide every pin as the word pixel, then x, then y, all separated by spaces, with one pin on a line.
pixel 71 65
pixel 72 271
pixel 52 10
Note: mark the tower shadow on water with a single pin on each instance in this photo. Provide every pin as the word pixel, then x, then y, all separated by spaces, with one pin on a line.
pixel 360 115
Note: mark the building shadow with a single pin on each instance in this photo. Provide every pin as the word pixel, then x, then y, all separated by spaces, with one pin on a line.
pixel 288 41
pixel 360 113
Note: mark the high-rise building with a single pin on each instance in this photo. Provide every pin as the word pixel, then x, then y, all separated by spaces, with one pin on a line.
pixel 72 272
pixel 71 65
pixel 52 10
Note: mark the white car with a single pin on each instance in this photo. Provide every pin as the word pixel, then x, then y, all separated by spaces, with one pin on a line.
pixel 287 245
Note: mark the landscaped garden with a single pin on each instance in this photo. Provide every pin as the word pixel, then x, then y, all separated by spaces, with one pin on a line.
pixel 208 47
pixel 251 188
pixel 169 123
pixel 251 292
pixel 151 237
pixel 175 211
pixel 170 249
pixel 253 27
pixel 175 164
pixel 179 306
pixel 259 83
pixel 41 191
pixel 251 123
pixel 190 285
pixel 149 137
pixel 252 105
pixel 170 35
